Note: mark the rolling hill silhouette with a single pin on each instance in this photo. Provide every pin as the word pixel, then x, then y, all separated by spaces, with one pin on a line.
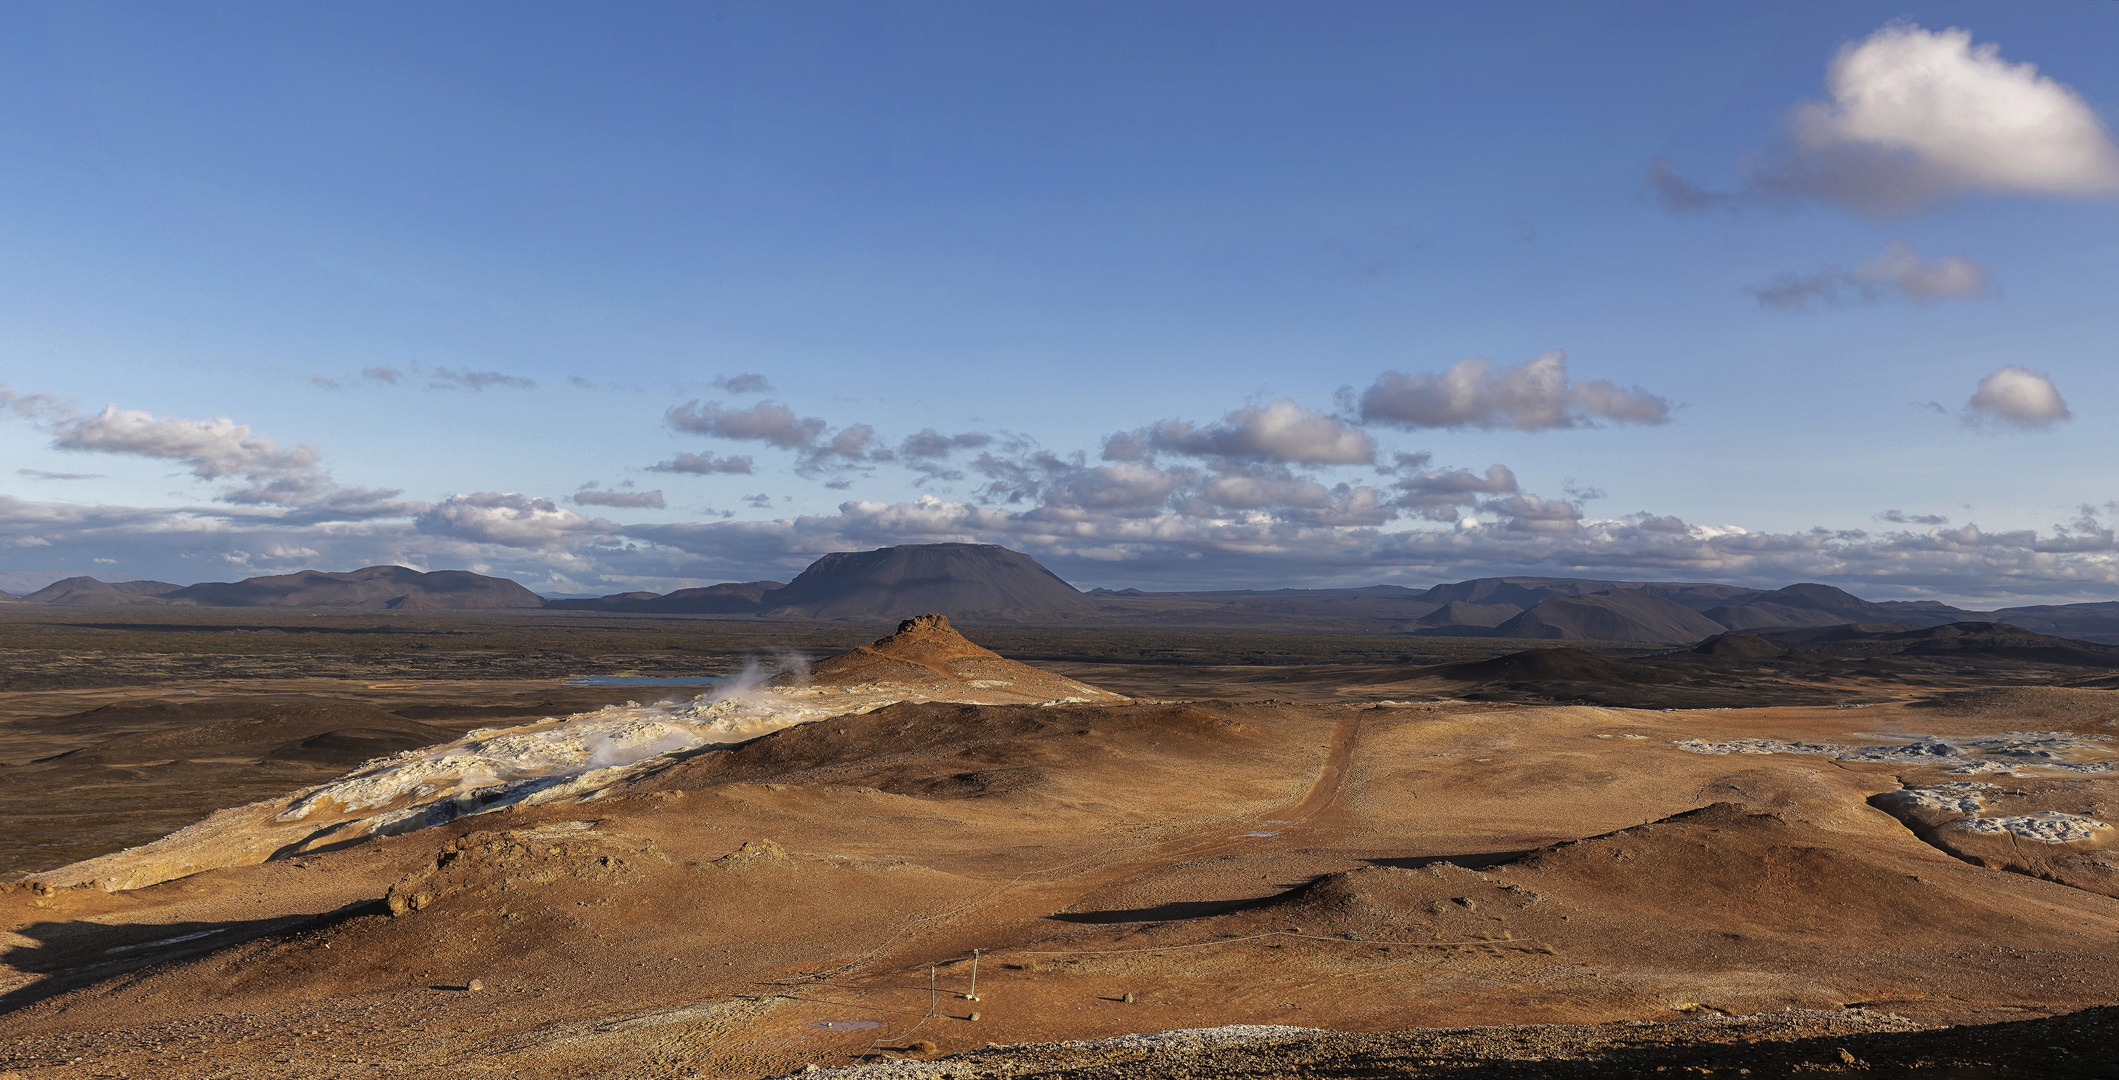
pixel 373 588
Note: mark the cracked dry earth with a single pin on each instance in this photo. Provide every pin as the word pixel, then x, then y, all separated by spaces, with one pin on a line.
pixel 1376 887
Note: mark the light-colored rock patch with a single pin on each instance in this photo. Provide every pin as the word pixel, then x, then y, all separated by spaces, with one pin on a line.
pixel 2045 827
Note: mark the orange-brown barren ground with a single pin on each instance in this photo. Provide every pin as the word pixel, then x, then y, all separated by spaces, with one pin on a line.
pixel 1373 884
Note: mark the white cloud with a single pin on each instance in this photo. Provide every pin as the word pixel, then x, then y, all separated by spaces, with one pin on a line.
pixel 929 443
pixel 256 470
pixel 455 379
pixel 1529 397
pixel 927 452
pixel 1523 535
pixel 849 442
pixel 746 383
pixel 1529 513
pixel 1169 544
pixel 1124 486
pixel 34 406
pixel 764 422
pixel 439 378
pixel 1949 277
pixel 2018 397
pixel 702 465
pixel 632 500
pixel 1282 432
pixel 213 449
pixel 1437 493
pixel 1900 270
pixel 1915 117
pixel 508 519
pixel 1240 492
pixel 1921 113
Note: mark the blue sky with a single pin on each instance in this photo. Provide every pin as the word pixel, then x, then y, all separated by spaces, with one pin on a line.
pixel 1180 293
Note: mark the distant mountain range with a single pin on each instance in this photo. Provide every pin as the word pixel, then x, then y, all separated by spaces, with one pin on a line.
pixel 985 583
pixel 373 588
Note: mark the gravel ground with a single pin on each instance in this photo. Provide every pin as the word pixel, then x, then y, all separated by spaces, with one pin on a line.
pixel 2076 1045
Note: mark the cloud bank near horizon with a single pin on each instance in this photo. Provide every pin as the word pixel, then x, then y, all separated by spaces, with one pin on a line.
pixel 1269 494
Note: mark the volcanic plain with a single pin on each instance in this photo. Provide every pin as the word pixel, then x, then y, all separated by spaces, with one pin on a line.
pixel 1309 854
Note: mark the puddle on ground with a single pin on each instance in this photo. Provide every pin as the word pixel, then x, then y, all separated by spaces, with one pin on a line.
pixel 847 1025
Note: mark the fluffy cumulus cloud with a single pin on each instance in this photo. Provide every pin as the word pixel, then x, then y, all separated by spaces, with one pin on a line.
pixel 507 519
pixel 212 449
pixel 1914 117
pixel 249 468
pixel 2017 397
pixel 820 452
pixel 1900 271
pixel 1282 432
pixel 765 422
pixel 1438 494
pixel 1532 396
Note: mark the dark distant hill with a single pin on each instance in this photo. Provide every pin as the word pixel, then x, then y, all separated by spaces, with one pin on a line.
pixel 617 601
pixel 1528 592
pixel 2087 622
pixel 1926 612
pixel 1371 609
pixel 1850 664
pixel 1699 596
pixel 89 592
pixel 373 588
pixel 956 580
pixel 1617 615
pixel 1814 605
pixel 1962 640
pixel 728 598
pixel 1549 665
pixel 1460 615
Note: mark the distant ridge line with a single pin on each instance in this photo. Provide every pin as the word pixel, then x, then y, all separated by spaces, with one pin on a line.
pixel 988 583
